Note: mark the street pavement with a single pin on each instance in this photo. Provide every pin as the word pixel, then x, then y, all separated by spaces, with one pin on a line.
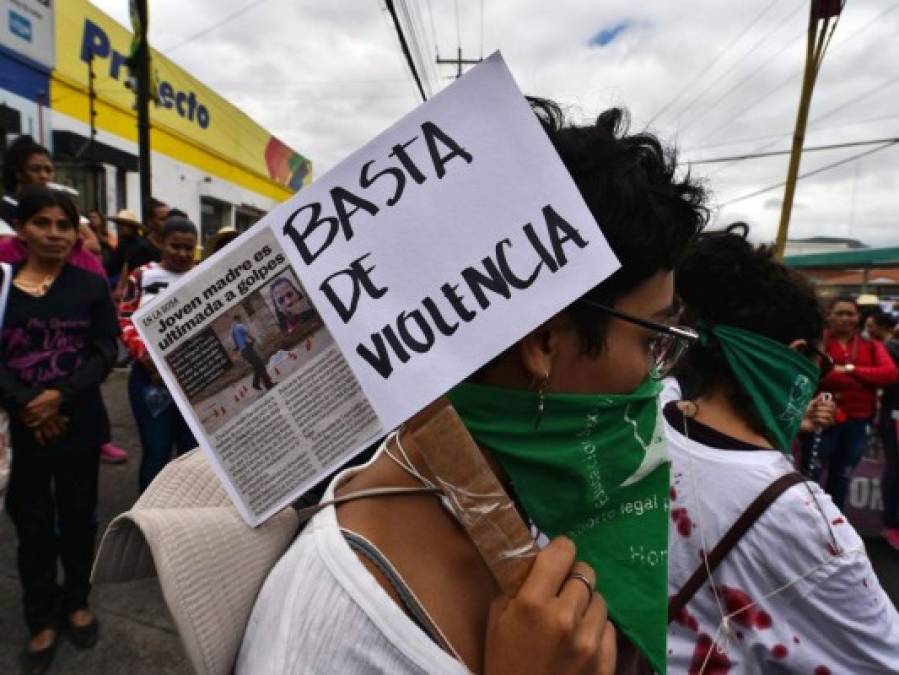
pixel 137 634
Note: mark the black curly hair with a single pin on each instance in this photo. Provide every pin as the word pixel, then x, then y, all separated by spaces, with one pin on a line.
pixel 725 279
pixel 647 211
pixel 17 156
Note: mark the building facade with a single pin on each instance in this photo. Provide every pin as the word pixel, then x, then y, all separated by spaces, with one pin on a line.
pixel 64 80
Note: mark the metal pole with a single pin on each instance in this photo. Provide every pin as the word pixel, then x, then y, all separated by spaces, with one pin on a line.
pixel 805 97
pixel 827 11
pixel 143 111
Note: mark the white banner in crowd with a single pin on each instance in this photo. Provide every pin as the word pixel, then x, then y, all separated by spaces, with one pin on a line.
pixel 424 254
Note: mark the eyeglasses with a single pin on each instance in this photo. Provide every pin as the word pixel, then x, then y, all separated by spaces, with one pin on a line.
pixel 666 348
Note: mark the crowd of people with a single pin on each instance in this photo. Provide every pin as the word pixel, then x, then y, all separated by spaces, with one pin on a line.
pixel 702 348
pixel 70 286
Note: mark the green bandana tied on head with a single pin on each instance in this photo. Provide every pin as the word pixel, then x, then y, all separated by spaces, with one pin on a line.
pixel 596 471
pixel 780 381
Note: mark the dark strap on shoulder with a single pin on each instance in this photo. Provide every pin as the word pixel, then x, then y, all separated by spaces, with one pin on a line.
pixel 413 607
pixel 730 539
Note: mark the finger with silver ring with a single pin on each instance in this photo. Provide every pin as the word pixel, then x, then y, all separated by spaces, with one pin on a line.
pixel 581 578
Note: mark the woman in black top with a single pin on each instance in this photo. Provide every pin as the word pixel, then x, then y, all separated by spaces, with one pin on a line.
pixel 57 345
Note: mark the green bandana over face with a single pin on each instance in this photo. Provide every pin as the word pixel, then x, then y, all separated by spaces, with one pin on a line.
pixel 779 380
pixel 596 471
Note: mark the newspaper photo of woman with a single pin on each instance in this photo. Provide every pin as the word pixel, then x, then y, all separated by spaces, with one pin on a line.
pixel 292 308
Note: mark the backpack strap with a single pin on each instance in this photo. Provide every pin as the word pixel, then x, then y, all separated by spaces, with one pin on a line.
pixel 730 539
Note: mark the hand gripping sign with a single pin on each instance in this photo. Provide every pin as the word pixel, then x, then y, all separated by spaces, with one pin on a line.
pixel 424 254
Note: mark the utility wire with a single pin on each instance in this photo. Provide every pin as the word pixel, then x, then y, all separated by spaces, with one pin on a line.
pixel 703 72
pixel 765 137
pixel 482 29
pixel 739 84
pixel 458 28
pixel 736 63
pixel 194 36
pixel 405 47
pixel 822 169
pixel 840 44
pixel 775 153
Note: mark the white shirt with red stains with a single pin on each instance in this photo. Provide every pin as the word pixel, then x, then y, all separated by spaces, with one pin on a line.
pixel 799 590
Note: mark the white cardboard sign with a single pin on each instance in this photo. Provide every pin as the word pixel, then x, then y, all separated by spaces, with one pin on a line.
pixel 443 241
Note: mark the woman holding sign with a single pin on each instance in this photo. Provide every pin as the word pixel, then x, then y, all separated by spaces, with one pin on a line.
pixel 58 344
pixel 568 420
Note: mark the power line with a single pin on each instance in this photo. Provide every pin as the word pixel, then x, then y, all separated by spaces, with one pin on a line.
pixel 233 15
pixel 775 153
pixel 856 99
pixel 703 72
pixel 727 72
pixel 812 127
pixel 739 84
pixel 405 47
pixel 758 101
pixel 482 29
pixel 827 167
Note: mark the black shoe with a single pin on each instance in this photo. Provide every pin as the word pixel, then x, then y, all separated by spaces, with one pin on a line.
pixel 84 637
pixel 39 662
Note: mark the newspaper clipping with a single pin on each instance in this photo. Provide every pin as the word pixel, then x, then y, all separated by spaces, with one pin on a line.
pixel 260 373
pixel 375 290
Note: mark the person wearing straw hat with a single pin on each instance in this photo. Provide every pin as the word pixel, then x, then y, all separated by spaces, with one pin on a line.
pixel 129 229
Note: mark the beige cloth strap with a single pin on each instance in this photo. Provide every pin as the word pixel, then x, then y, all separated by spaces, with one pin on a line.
pixel 307 512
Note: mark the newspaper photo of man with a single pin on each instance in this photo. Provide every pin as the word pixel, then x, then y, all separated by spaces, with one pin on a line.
pixel 244 341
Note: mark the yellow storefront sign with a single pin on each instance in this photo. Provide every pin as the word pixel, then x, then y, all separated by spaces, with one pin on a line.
pixel 190 122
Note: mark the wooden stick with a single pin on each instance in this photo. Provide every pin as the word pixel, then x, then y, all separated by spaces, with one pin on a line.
pixel 483 507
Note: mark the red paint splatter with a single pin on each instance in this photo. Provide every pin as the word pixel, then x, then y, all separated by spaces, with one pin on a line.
pixel 839 521
pixel 672 493
pixel 865 583
pixel 796 639
pixel 682 520
pixel 748 614
pixel 684 618
pixel 779 652
pixel 708 659
pixel 831 550
pixel 822 670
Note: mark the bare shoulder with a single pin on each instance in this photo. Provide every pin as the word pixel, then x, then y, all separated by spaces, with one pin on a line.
pixel 429 549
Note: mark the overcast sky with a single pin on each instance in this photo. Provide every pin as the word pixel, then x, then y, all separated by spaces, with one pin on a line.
pixel 715 78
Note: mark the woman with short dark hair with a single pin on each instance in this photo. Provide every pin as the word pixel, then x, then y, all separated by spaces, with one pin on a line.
pixel 58 344
pixel 567 418
pixel 795 592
